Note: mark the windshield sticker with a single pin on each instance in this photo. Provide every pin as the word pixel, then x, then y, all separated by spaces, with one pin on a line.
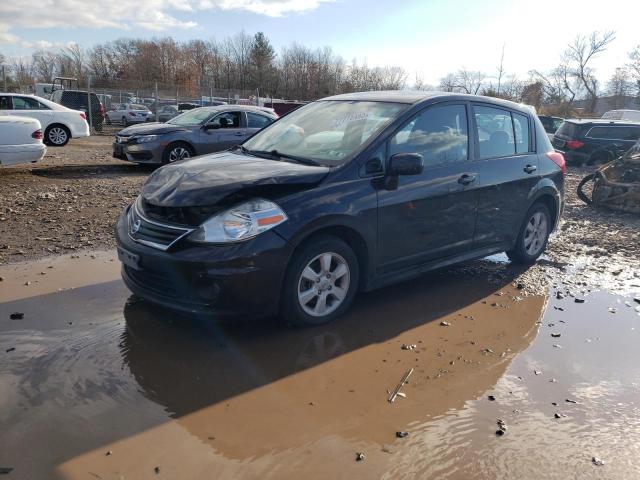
pixel 350 117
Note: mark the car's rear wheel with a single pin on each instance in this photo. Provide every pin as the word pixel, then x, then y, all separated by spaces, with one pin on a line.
pixel 177 151
pixel 125 122
pixel 321 282
pixel 57 135
pixel 534 235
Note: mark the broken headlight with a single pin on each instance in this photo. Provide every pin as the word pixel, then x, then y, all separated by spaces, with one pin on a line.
pixel 240 222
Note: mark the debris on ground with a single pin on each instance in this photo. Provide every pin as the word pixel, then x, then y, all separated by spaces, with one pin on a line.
pixel 409 347
pixel 16 316
pixel 597 461
pixel 10 349
pixel 402 434
pixel 156 470
pixel 556 335
pixel 396 391
pixel 360 456
pixel 5 470
pixel 491 398
pixel 445 324
pixel 616 185
pixel 502 428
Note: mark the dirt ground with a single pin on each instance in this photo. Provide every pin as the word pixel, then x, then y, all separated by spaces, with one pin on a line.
pixel 511 376
pixel 70 201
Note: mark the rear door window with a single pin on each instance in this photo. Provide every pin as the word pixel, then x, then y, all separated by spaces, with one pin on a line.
pixel 438 133
pixel 495 132
pixel 227 120
pixel 26 103
pixel 257 121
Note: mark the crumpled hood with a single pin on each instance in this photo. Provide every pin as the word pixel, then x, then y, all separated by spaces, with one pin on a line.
pixel 204 181
pixel 153 128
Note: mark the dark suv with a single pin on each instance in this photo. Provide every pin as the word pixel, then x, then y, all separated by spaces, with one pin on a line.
pixel 594 141
pixel 349 193
pixel 78 100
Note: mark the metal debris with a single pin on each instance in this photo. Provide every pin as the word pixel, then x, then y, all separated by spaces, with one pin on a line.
pixel 396 391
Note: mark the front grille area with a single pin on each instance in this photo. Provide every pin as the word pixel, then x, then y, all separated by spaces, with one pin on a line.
pixel 186 216
pixel 151 233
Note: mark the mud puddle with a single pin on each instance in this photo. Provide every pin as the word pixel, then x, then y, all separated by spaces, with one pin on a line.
pixel 95 384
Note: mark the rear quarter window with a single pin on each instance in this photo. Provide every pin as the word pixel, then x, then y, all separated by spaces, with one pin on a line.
pixel 568 129
pixel 615 132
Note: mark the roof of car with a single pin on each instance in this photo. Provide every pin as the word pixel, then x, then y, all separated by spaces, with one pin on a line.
pixel 252 108
pixel 418 96
pixel 601 121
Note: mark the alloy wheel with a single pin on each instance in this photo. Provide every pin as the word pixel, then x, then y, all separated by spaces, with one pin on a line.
pixel 323 284
pixel 178 153
pixel 535 233
pixel 58 136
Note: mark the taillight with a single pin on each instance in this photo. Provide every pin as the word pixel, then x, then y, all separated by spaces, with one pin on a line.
pixel 82 114
pixel 574 144
pixel 131 114
pixel 558 159
pixel 37 135
pixel 101 110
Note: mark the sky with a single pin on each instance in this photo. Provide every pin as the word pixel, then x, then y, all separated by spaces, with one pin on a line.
pixel 428 38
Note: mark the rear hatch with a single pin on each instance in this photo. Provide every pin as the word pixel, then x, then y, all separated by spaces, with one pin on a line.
pixel 567 131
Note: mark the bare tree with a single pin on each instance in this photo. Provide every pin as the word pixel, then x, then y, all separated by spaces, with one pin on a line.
pixel 633 68
pixel 579 54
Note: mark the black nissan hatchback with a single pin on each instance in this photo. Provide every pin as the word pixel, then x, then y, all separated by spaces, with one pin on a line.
pixel 348 193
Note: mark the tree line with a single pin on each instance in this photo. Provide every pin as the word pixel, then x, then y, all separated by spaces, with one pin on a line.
pixel 249 63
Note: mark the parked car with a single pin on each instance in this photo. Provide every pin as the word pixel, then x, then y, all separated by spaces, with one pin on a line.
pixel 58 122
pixel 195 132
pixel 79 100
pixel 289 223
pixel 630 115
pixel 20 140
pixel 550 124
pixel 129 113
pixel 594 141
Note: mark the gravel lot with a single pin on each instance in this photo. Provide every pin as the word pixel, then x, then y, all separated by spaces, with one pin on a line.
pixel 71 200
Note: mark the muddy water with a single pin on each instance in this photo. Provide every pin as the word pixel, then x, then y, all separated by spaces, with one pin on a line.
pixel 101 385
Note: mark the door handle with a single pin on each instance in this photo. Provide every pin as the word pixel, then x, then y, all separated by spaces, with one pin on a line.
pixel 530 168
pixel 466 179
pixel 239 134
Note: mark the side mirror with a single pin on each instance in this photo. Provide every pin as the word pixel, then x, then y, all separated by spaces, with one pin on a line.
pixel 405 164
pixel 212 126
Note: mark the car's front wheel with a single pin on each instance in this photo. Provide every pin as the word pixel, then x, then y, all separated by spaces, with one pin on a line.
pixel 321 282
pixel 177 151
pixel 533 236
pixel 57 135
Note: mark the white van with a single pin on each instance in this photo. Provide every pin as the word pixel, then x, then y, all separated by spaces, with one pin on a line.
pixel 630 115
pixel 20 140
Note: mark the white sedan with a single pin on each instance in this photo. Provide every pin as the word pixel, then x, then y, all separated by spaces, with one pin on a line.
pixel 128 113
pixel 59 123
pixel 20 140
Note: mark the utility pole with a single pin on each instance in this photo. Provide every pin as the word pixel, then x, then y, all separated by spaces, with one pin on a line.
pixel 89 109
pixel 4 77
pixel 501 69
pixel 157 104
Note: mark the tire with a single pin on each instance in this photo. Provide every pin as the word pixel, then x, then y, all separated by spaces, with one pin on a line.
pixel 537 222
pixel 177 151
pixel 57 135
pixel 125 123
pixel 322 267
pixel 107 120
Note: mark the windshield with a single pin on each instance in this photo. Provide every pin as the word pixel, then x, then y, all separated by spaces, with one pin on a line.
pixel 192 118
pixel 329 132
